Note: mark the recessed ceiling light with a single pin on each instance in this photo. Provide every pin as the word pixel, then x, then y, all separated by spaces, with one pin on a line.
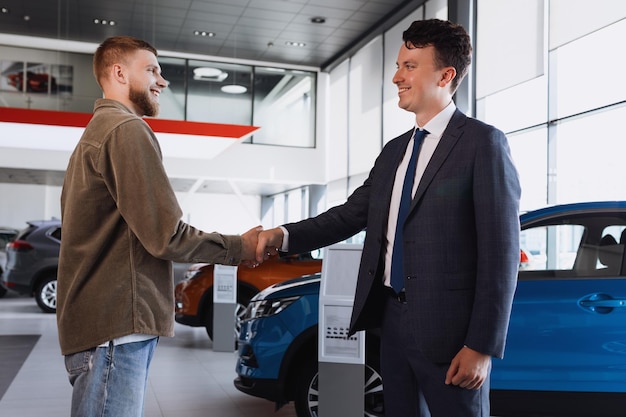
pixel 318 19
pixel 104 22
pixel 203 33
pixel 26 17
pixel 4 10
pixel 296 44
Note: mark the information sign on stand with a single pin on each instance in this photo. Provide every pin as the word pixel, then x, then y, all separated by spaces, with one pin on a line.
pixel 224 304
pixel 341 358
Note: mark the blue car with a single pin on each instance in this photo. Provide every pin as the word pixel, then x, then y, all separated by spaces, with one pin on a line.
pixel 566 348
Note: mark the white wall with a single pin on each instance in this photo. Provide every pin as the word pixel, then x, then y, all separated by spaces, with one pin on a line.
pixel 23 202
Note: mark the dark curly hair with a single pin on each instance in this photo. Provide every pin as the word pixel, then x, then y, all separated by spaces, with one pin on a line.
pixel 452 44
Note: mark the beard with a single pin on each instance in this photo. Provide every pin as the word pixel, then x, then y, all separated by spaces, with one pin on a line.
pixel 143 99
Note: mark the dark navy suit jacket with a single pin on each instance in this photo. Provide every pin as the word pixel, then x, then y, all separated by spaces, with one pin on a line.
pixel 461 240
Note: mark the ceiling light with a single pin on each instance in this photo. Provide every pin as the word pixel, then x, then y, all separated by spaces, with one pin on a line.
pixel 296 44
pixel 4 10
pixel 234 89
pixel 203 33
pixel 104 22
pixel 207 72
pixel 318 19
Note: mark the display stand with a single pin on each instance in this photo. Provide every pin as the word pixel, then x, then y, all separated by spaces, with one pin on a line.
pixel 341 358
pixel 224 305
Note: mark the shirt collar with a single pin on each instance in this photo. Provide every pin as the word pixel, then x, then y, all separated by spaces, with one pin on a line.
pixel 438 124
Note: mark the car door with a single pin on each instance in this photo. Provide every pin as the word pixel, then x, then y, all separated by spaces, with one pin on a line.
pixel 568 324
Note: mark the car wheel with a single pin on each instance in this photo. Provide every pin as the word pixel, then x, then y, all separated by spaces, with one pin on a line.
pixel 243 298
pixel 46 294
pixel 307 392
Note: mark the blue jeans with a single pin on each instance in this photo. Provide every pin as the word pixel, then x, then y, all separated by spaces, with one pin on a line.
pixel 110 381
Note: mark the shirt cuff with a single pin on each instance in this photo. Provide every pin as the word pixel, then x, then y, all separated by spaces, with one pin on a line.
pixel 285 245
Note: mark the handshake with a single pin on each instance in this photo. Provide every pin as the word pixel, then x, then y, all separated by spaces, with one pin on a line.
pixel 258 245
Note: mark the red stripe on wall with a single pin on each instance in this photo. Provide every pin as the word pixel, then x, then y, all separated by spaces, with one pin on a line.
pixel 73 119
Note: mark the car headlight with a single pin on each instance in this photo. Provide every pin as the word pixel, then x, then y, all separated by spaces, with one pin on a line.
pixel 266 308
pixel 191 274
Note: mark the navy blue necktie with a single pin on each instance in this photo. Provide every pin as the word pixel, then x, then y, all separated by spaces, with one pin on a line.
pixel 397 275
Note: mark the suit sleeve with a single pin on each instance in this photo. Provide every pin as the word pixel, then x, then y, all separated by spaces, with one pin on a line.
pixel 497 192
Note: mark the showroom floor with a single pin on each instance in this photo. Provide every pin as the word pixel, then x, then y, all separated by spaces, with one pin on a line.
pixel 187 378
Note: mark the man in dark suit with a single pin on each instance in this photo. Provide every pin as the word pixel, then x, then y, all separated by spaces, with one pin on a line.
pixel 457 273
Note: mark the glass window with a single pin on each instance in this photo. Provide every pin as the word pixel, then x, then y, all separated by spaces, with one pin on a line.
pixel 509 44
pixel 529 149
pixel 586 245
pixel 518 107
pixel 611 250
pixel 173 99
pixel 284 103
pixel 590 157
pixel 551 247
pixel 577 67
pixel 219 93
pixel 365 107
pixel 573 19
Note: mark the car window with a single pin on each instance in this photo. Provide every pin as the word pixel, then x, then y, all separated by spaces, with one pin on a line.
pixel 551 247
pixel 56 233
pixel 611 250
pixel 581 247
pixel 6 238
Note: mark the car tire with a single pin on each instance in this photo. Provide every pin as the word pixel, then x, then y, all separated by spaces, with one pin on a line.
pixel 307 393
pixel 46 294
pixel 243 299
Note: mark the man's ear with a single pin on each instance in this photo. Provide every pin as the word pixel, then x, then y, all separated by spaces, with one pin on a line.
pixel 447 75
pixel 118 73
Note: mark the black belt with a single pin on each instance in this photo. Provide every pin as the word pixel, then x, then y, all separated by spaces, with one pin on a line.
pixel 400 297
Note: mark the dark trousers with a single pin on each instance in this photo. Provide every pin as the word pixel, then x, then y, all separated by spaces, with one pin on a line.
pixel 414 386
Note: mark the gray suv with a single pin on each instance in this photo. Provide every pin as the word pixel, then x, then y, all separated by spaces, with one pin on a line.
pixel 32 261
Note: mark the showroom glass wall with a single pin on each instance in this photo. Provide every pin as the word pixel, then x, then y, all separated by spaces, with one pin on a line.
pixel 548 74
pixel 276 99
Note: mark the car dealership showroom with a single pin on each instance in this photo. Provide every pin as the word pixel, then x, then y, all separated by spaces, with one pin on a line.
pixel 275 111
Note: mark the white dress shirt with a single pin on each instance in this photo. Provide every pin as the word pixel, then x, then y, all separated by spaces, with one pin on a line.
pixel 435 128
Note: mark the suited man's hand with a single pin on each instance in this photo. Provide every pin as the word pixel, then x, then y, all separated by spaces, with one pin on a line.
pixel 468 369
pixel 269 242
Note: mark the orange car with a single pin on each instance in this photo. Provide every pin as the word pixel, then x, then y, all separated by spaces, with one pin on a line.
pixel 194 295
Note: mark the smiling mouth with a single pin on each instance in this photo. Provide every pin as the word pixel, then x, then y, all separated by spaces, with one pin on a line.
pixel 402 90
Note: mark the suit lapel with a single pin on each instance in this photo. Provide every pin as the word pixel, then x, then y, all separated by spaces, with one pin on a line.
pixel 395 159
pixel 392 161
pixel 447 142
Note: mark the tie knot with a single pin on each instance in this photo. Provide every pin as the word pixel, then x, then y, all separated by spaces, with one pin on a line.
pixel 420 133
pixel 418 136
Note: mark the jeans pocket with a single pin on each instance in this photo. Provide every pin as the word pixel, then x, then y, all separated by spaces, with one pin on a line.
pixel 78 363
